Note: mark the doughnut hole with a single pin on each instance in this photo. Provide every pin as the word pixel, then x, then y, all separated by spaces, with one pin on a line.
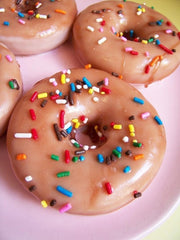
pixel 24 6
pixel 91 135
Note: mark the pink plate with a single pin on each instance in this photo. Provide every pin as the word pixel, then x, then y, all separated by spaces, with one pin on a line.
pixel 21 215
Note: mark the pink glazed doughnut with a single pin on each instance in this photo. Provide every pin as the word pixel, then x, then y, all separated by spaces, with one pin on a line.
pixel 32 27
pixel 84 142
pixel 10 85
pixel 127 39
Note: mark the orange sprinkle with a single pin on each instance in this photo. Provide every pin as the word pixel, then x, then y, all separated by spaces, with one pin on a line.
pixel 120 76
pixel 88 66
pixel 21 156
pixel 138 156
pixel 13 9
pixel 120 5
pixel 155 60
pixel 60 11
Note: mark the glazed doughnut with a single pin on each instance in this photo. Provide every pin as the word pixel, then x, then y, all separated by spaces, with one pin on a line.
pixel 88 143
pixel 10 85
pixel 127 39
pixel 32 27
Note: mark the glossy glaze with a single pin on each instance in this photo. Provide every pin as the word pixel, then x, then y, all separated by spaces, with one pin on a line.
pixel 87 178
pixel 111 55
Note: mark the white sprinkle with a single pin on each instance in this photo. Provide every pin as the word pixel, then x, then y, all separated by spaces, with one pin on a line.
pixel 156 36
pixel 86 147
pixel 68 71
pixel 61 101
pixel 102 40
pixel 99 20
pixel 2 10
pixel 93 147
pixel 73 141
pixel 96 89
pixel 51 80
pixel 85 86
pixel 78 86
pixel 23 135
pixel 125 139
pixel 95 99
pixel 28 178
pixel 38 5
pixel 67 125
pixel 67 80
pixel 85 120
pixel 139 13
pixel 91 29
pixel 42 16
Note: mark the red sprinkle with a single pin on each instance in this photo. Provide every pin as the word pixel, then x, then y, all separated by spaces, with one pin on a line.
pixel 34 96
pixel 147 68
pixel 103 23
pixel 82 117
pixel 32 113
pixel 67 156
pixel 168 23
pixel 34 133
pixel 62 113
pixel 134 52
pixel 178 34
pixel 165 49
pixel 106 90
pixel 54 97
pixel 108 188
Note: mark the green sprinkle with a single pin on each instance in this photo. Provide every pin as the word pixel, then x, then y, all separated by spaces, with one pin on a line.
pixel 76 145
pixel 63 174
pixel 137 144
pixel 55 157
pixel 11 84
pixel 75 159
pixel 152 7
pixel 116 153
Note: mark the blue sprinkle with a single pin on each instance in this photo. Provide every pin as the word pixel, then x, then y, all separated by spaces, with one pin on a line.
pixel 119 149
pixel 69 130
pixel 138 100
pixel 131 33
pixel 73 87
pixel 159 23
pixel 100 158
pixel 127 169
pixel 60 94
pixel 87 82
pixel 21 15
pixel 158 120
pixel 81 158
pixel 158 42
pixel 64 191
pixel 6 23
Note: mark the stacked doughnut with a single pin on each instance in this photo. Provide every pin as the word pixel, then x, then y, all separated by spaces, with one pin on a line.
pixel 88 142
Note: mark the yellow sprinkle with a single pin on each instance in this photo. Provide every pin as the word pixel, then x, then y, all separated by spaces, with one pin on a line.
pixel 135 140
pixel 63 78
pixel 44 204
pixel 77 125
pixel 132 134
pixel 131 128
pixel 143 10
pixel 21 156
pixel 144 41
pixel 60 11
pixel 37 15
pixel 90 91
pixel 117 126
pixel 121 34
pixel 42 95
pixel 75 120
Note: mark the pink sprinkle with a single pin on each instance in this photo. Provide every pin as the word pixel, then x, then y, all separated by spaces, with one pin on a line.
pixel 65 208
pixel 54 83
pixel 21 21
pixel 168 31
pixel 106 81
pixel 145 115
pixel 9 58
pixel 128 49
pixel 123 39
pixel 147 54
pixel 101 29
pixel 113 29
